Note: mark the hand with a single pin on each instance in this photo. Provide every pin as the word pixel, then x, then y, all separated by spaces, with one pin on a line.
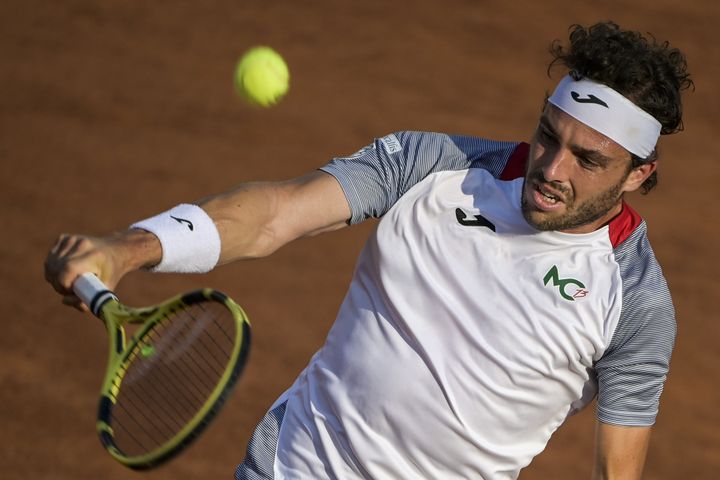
pixel 110 258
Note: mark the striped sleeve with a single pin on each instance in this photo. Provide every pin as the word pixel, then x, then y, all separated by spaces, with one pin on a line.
pixel 375 177
pixel 632 371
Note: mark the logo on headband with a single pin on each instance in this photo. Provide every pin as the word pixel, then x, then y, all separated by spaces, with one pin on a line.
pixel 589 99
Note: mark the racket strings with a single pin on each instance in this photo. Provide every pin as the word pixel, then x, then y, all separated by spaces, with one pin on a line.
pixel 162 390
pixel 197 386
pixel 172 371
pixel 155 399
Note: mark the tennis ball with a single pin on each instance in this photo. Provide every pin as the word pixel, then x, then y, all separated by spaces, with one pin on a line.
pixel 147 351
pixel 262 76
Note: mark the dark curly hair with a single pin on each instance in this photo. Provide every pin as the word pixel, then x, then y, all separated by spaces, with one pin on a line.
pixel 649 73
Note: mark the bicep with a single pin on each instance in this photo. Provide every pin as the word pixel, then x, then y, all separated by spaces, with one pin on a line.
pixel 620 451
pixel 312 204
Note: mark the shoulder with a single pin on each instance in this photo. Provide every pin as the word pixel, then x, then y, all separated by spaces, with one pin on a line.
pixel 647 315
pixel 641 273
pixel 503 159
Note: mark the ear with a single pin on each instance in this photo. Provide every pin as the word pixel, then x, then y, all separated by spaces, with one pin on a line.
pixel 638 175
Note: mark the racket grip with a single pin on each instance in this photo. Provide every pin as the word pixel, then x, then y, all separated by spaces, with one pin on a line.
pixel 92 291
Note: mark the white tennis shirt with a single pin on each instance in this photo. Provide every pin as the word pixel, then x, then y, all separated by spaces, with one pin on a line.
pixel 467 337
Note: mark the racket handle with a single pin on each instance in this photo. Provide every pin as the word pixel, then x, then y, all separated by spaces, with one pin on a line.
pixel 93 292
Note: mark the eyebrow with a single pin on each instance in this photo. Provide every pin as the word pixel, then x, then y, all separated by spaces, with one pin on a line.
pixel 592 155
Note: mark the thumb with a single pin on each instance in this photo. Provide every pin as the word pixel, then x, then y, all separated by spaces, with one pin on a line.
pixel 75 302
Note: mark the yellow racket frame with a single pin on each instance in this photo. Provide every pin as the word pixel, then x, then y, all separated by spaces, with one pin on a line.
pixel 106 306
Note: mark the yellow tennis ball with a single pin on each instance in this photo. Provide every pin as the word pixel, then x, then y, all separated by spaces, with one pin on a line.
pixel 262 76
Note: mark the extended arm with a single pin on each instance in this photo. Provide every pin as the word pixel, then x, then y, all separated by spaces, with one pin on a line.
pixel 253 220
pixel 620 451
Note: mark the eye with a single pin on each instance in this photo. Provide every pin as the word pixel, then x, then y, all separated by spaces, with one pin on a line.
pixel 586 163
pixel 545 136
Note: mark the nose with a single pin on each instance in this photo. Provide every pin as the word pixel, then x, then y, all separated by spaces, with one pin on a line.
pixel 556 165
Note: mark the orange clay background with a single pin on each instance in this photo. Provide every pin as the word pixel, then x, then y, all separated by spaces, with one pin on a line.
pixel 113 111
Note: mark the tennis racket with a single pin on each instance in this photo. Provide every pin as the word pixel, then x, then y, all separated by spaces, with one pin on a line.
pixel 165 384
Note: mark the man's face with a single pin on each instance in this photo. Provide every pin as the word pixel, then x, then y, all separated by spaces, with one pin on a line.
pixel 575 176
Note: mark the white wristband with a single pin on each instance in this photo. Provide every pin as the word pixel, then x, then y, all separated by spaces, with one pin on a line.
pixel 189 238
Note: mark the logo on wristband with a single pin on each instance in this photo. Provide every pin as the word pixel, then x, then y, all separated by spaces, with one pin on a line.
pixel 182 221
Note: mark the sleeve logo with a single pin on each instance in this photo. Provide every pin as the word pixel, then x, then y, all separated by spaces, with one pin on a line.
pixel 562 284
pixel 391 144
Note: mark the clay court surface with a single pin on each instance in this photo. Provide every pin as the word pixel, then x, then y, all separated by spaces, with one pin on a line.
pixel 112 111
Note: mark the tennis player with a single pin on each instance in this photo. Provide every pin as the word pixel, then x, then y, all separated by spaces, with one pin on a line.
pixel 506 285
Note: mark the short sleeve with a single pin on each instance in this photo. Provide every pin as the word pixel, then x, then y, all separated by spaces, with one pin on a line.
pixel 632 371
pixel 376 176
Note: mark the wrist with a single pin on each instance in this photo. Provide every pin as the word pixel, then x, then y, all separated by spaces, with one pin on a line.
pixel 189 239
pixel 138 249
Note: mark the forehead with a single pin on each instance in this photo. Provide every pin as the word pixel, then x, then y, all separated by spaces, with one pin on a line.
pixel 577 135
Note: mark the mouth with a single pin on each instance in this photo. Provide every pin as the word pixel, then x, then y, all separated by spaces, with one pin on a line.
pixel 546 198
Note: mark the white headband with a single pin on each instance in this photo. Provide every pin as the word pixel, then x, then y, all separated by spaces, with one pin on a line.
pixel 606 111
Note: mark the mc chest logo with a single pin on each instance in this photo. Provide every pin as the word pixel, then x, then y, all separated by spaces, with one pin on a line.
pixel 569 288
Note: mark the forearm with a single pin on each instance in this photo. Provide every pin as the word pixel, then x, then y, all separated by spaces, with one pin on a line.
pixel 255 219
pixel 620 452
pixel 247 219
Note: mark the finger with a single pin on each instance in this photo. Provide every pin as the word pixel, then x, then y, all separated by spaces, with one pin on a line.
pixel 51 276
pixel 72 246
pixel 67 278
pixel 55 271
pixel 51 260
pixel 59 243
pixel 75 302
pixel 72 260
pixel 56 261
pixel 62 277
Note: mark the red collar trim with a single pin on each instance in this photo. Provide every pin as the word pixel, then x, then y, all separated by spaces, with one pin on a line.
pixel 623 225
pixel 515 166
